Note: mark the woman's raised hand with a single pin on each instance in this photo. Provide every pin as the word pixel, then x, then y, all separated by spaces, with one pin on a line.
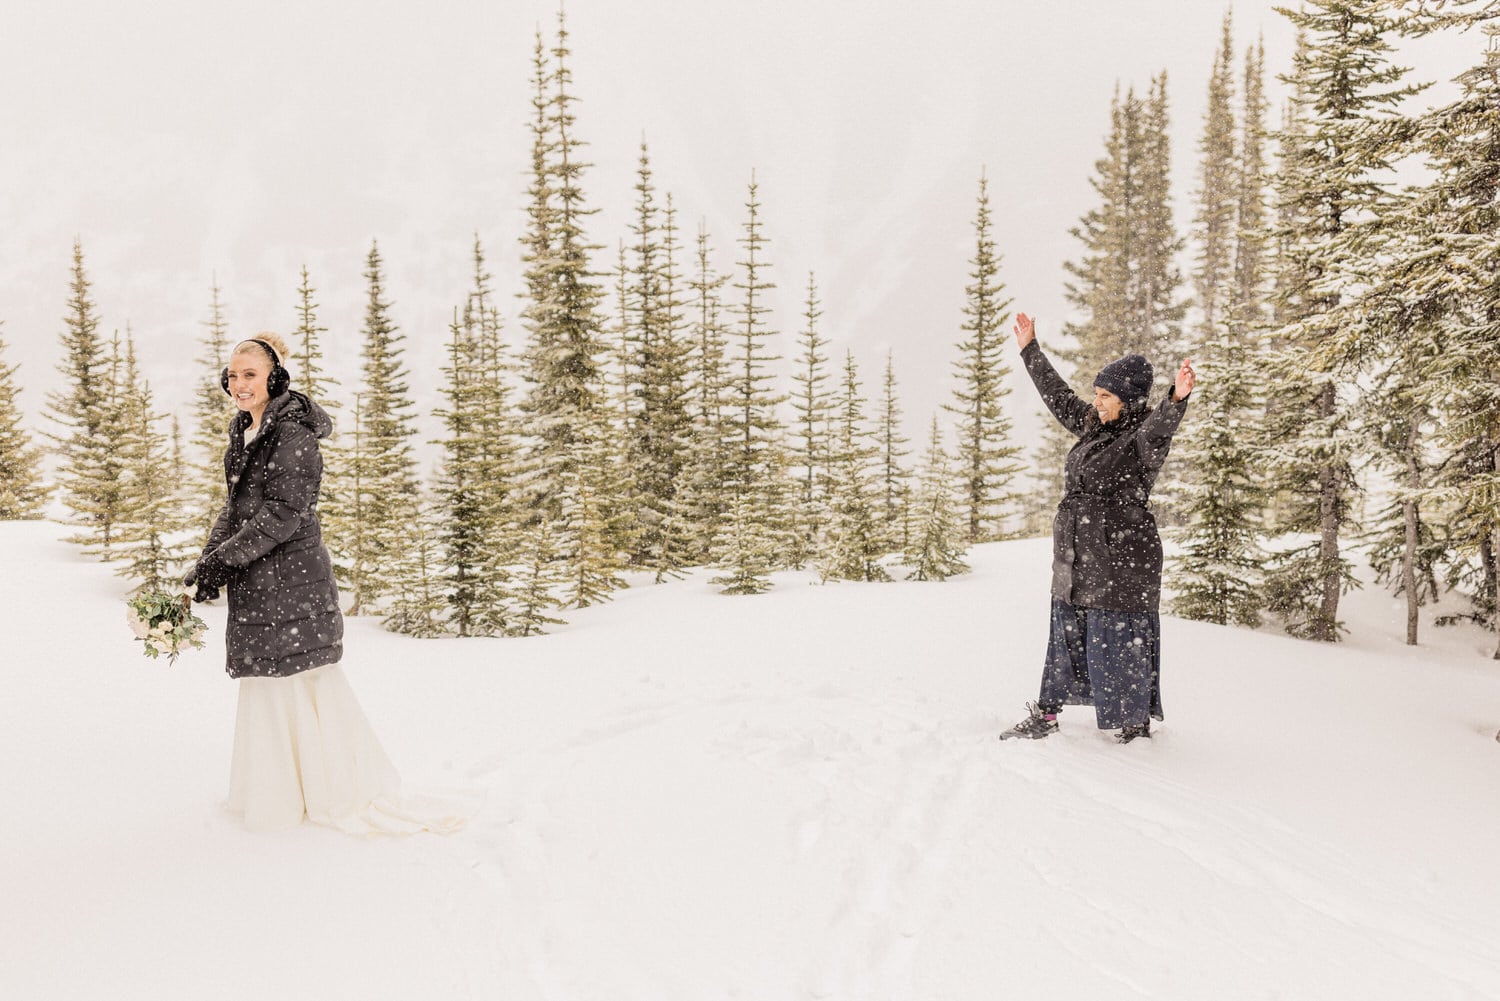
pixel 1186 380
pixel 1025 330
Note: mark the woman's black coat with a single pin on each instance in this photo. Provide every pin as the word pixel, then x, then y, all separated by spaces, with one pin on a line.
pixel 1106 552
pixel 283 603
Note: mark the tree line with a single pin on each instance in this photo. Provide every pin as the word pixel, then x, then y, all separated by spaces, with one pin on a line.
pixel 1346 332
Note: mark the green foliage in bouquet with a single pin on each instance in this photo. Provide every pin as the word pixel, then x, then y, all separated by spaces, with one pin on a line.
pixel 165 623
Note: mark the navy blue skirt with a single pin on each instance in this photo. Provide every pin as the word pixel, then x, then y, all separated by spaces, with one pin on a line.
pixel 1105 659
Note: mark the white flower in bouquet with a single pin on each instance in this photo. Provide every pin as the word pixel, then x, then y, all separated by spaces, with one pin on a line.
pixel 164 623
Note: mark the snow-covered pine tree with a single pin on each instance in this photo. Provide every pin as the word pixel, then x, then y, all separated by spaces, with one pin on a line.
pixel 79 411
pixel 101 487
pixel 1331 198
pixel 1126 284
pixel 212 411
pixel 1430 326
pixel 895 488
pixel 343 508
pixel 387 481
pixel 1214 221
pixel 1218 573
pixel 566 346
pixel 464 524
pixel 538 581
pixel 659 423
pixel 935 550
pixel 1248 307
pixel 312 376
pixel 1221 501
pixel 500 469
pixel 154 541
pixel 707 474
pixel 987 459
pixel 418 607
pixel 21 492
pixel 1157 305
pixel 809 430
pixel 590 524
pixel 856 536
pixel 757 468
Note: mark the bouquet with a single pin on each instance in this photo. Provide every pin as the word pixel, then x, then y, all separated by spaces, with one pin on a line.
pixel 165 623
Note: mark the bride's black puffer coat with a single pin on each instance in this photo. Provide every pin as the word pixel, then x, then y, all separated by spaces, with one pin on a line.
pixel 283 603
pixel 1106 552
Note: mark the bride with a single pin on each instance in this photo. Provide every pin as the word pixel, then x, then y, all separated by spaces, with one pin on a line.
pixel 302 745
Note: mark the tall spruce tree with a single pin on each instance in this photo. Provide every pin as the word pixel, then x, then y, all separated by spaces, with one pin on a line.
pixel 987 460
pixel 659 348
pixel 857 537
pixel 1126 285
pixel 21 491
pixel 469 528
pixel 152 545
pixel 1221 499
pixel 809 431
pixel 935 550
pixel 419 607
pixel 566 346
pixel 708 471
pixel 313 378
pixel 383 493
pixel 757 467
pixel 1331 198
pixel 79 410
pixel 102 485
pixel 895 490
pixel 1214 221
pixel 1428 327
pixel 212 411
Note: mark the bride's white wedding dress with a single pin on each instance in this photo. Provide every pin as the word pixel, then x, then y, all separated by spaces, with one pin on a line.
pixel 303 747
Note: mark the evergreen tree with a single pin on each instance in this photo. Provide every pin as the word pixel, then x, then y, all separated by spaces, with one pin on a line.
pixel 1126 284
pixel 1428 330
pixel 708 470
pixel 986 457
pixel 212 411
pixel 935 550
pixel 312 377
pixel 1219 571
pixel 152 545
pixel 538 581
pixel 498 454
pixel 589 527
pixel 469 526
pixel 86 464
pixel 419 607
pixel 382 493
pixel 345 503
pixel 895 493
pixel 566 344
pixel 101 489
pixel 857 537
pixel 1215 220
pixel 659 349
pixel 1331 199
pixel 761 536
pixel 21 492
pixel 813 409
pixel 1251 257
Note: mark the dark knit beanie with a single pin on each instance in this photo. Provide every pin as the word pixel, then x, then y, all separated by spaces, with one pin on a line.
pixel 1129 378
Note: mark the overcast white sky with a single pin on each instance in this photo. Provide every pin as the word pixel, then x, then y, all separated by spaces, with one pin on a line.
pixel 182 140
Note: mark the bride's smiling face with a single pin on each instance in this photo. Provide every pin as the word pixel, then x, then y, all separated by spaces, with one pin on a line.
pixel 248 371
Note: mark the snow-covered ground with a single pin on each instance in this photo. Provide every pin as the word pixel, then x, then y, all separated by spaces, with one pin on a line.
pixel 798 795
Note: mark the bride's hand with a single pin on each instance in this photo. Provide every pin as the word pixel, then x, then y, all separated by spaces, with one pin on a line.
pixel 1025 329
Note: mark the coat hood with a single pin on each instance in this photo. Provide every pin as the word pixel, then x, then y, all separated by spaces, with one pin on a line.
pixel 291 406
